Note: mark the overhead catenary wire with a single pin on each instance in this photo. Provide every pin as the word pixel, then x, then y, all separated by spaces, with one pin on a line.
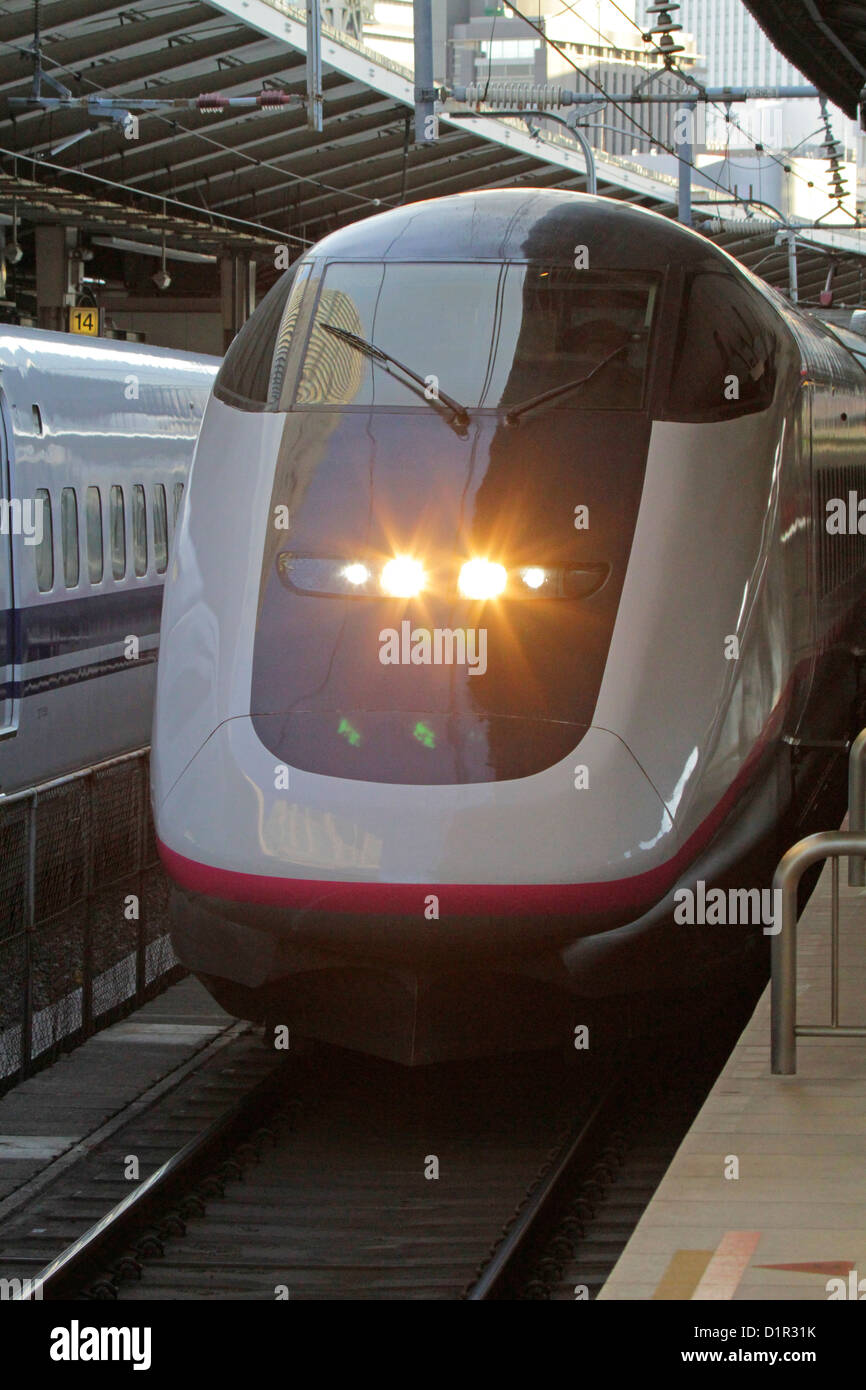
pixel 605 37
pixel 758 146
pixel 292 178
pixel 490 57
pixel 646 69
pixel 618 106
pixel 275 232
pixel 287 174
pixel 361 197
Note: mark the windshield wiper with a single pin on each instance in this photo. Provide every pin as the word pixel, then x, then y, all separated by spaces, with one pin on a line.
pixel 515 413
pixel 459 414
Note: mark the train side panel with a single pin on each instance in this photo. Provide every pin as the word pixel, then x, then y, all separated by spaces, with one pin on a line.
pixel 81 422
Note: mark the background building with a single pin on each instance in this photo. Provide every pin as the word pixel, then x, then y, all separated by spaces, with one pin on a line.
pixel 477 41
pixel 732 49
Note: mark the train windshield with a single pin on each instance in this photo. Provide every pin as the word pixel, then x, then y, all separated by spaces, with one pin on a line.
pixel 491 335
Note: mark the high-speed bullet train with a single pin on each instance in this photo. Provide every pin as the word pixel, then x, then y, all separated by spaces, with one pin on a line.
pixel 96 440
pixel 501 596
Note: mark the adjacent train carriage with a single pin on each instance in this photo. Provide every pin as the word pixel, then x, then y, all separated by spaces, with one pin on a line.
pixel 97 439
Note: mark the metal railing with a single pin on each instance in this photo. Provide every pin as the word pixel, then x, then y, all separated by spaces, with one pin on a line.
pixel 833 845
pixel 857 806
pixel 83 911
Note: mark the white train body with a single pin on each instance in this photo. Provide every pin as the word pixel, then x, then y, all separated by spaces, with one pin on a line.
pixel 622 742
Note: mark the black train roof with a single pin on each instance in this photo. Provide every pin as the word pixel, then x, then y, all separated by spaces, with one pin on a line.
pixel 521 224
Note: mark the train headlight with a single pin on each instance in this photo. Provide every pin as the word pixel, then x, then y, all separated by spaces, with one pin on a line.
pixel 403 577
pixel 324 576
pixel 533 577
pixel 482 579
pixel 537 582
pixel 356 574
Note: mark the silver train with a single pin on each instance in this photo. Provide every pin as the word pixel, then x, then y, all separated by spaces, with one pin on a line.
pixel 97 439
pixel 502 593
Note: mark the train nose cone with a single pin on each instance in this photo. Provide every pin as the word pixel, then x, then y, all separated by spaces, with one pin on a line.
pixel 581 846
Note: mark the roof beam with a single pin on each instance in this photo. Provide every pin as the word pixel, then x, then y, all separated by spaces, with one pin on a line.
pixel 87 49
pixel 278 139
pixel 168 60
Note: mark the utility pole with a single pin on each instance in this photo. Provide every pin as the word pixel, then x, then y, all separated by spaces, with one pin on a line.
pixel 425 94
pixel 684 146
pixel 315 119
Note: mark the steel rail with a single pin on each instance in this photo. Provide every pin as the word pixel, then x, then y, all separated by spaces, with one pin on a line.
pixel 65 1275
pixel 499 1277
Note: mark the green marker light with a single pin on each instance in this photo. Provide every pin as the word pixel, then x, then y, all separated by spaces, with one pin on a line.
pixel 424 735
pixel 349 732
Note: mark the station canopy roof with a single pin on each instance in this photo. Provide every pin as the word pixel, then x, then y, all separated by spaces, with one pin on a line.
pixel 241 180
pixel 824 39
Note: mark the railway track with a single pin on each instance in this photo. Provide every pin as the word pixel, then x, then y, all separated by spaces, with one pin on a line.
pixel 337 1177
pixel 341 1177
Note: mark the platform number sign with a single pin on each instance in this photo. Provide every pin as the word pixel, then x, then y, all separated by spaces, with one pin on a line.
pixel 85 320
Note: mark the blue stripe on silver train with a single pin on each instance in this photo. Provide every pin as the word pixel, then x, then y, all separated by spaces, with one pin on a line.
pixel 96 442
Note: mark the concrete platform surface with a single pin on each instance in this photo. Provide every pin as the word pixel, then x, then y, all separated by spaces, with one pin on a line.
pixel 766 1195
pixel 55 1113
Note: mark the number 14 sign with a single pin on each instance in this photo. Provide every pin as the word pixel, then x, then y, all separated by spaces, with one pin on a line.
pixel 85 320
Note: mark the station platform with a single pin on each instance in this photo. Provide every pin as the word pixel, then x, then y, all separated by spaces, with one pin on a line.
pixel 794 1218
pixel 53 1118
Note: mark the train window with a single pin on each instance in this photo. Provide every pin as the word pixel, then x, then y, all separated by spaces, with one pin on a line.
pixel 178 498
pixel 280 359
pixel 524 329
pixel 117 515
pixel 45 548
pixel 160 528
pixel 93 526
pixel 725 362
pixel 139 530
pixel 244 379
pixel 69 536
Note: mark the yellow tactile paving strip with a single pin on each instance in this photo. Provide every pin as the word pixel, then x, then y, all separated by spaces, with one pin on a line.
pixel 683 1274
pixel 795 1217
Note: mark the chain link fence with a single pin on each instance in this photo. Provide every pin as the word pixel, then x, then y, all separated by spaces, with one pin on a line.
pixel 83 911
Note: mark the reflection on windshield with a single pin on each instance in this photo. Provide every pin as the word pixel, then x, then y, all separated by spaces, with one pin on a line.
pixel 436 398
pixel 490 335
